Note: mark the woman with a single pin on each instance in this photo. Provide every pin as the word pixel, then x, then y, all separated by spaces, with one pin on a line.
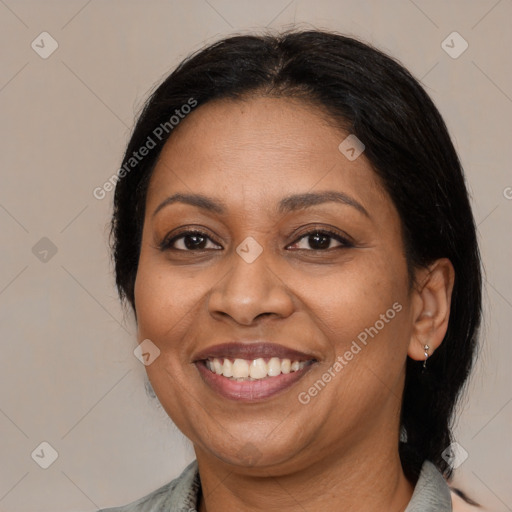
pixel 293 231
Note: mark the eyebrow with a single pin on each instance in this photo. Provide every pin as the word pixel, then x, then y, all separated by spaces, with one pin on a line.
pixel 302 201
pixel 199 200
pixel 288 204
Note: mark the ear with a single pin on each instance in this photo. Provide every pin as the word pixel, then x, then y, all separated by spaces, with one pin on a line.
pixel 431 307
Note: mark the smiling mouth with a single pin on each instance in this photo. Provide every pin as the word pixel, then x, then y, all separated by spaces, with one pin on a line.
pixel 241 370
pixel 252 381
pixel 252 372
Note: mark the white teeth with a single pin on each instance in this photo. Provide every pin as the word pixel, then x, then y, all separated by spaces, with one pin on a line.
pixel 258 369
pixel 227 369
pixel 217 366
pixel 242 369
pixel 274 367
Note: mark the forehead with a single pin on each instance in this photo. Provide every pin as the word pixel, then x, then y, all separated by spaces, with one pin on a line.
pixel 260 149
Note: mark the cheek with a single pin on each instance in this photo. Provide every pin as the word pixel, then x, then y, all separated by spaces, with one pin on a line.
pixel 166 305
pixel 353 298
pixel 164 299
pixel 362 312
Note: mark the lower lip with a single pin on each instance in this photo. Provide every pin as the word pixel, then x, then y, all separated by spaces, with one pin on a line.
pixel 250 390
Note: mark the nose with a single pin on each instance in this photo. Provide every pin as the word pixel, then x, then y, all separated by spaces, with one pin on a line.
pixel 250 291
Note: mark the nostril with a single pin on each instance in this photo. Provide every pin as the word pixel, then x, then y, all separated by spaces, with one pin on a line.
pixel 264 315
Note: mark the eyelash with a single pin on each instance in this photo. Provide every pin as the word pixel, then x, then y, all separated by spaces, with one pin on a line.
pixel 167 243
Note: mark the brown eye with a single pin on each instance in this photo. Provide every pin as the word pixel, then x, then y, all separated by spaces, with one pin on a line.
pixel 320 241
pixel 189 241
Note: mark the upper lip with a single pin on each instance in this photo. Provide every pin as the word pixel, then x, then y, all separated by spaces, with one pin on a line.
pixel 250 351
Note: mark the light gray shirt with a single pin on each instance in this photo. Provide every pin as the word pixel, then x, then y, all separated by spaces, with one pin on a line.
pixel 431 494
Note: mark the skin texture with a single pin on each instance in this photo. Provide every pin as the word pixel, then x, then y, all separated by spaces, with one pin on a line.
pixel 339 451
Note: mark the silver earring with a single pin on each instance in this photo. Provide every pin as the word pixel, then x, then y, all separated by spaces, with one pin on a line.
pixel 426 348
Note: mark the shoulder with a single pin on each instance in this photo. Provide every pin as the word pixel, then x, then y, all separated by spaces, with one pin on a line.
pixel 179 494
pixel 152 502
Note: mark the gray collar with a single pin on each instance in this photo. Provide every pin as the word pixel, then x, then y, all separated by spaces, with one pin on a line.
pixel 431 494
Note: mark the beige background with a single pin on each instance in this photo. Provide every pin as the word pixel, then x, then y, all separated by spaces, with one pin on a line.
pixel 68 374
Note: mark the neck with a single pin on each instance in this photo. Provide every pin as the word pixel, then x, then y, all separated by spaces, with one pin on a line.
pixel 347 482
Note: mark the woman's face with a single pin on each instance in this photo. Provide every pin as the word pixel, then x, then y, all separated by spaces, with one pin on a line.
pixel 295 260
